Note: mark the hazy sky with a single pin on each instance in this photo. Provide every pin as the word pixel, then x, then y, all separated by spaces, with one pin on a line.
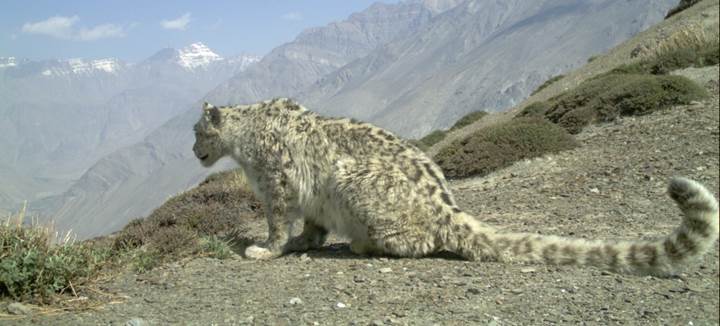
pixel 133 30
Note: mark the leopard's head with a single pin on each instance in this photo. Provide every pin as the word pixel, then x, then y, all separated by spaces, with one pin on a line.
pixel 209 146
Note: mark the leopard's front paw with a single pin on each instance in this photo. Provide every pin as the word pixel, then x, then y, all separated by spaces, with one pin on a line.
pixel 261 253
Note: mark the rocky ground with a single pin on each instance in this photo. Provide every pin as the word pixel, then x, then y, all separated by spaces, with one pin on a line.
pixel 612 187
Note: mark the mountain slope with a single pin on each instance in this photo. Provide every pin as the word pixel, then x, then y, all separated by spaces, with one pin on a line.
pixel 318 51
pixel 481 55
pixel 61 116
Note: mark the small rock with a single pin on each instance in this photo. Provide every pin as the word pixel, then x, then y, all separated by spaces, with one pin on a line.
pixel 385 270
pixel 17 308
pixel 528 270
pixel 295 301
pixel 340 305
pixel 304 257
pixel 517 291
pixel 136 322
pixel 473 291
pixel 595 190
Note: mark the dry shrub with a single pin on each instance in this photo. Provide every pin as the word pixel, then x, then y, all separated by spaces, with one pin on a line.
pixel 217 206
pixel 173 240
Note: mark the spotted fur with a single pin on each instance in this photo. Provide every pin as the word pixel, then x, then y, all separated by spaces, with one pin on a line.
pixel 385 195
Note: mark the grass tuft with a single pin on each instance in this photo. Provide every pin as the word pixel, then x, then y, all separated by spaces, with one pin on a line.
pixel 547 83
pixel 693 55
pixel 216 247
pixel 36 262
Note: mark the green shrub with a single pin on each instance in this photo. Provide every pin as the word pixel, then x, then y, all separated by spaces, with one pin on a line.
pixel 419 144
pixel 547 83
pixel 437 135
pixel 535 109
pixel 684 4
pixel 433 137
pixel 468 119
pixel 35 264
pixel 608 96
pixel 500 145
pixel 218 205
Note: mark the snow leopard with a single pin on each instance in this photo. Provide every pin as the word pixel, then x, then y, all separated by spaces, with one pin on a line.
pixel 389 198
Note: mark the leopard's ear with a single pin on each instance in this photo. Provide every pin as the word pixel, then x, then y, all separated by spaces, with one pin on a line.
pixel 207 106
pixel 215 116
pixel 213 113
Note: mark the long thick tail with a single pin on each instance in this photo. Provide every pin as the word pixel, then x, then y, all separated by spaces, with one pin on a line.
pixel 692 239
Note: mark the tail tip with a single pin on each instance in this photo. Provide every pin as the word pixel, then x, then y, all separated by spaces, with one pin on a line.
pixel 691 194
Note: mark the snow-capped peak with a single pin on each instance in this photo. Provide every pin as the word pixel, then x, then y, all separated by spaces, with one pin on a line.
pixel 81 66
pixel 244 60
pixel 7 62
pixel 196 55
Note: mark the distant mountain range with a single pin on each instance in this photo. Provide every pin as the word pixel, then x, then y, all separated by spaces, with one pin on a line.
pixel 480 55
pixel 61 116
pixel 411 67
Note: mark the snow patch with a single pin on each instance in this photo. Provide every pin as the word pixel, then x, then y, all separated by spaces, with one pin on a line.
pixel 79 66
pixel 243 61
